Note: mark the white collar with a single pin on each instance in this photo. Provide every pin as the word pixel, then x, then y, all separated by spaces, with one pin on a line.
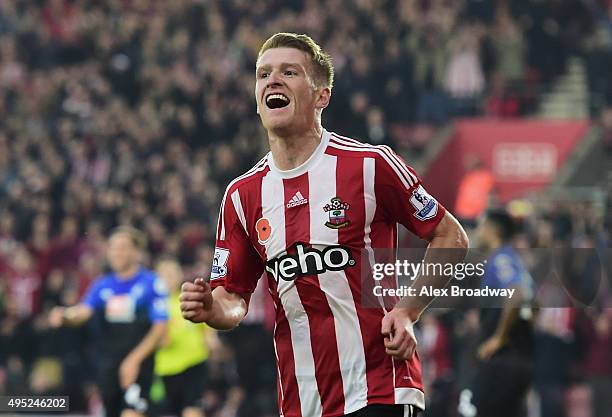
pixel 310 162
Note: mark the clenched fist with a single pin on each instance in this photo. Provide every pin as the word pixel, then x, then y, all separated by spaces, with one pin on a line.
pixel 400 341
pixel 196 300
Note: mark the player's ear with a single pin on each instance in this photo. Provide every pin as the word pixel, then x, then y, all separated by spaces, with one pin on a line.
pixel 323 97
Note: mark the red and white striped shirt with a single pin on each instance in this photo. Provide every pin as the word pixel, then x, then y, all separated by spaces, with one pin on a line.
pixel 304 229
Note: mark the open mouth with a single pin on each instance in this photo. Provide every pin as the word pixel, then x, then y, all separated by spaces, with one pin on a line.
pixel 277 101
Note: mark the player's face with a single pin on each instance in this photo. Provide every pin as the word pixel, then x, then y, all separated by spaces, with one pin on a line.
pixel 122 253
pixel 287 98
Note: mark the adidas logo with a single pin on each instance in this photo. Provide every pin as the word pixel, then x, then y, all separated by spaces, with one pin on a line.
pixel 297 200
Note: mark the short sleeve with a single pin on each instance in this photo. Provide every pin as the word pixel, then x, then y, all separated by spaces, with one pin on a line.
pixel 403 197
pixel 93 298
pixel 505 272
pixel 158 303
pixel 236 265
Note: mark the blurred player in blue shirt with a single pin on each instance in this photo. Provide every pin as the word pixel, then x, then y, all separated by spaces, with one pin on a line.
pixel 130 314
pixel 506 340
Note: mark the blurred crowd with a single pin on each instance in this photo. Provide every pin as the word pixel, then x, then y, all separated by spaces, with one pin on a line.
pixel 140 112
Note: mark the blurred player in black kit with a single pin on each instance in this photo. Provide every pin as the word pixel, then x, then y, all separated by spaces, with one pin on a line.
pixel 506 339
pixel 130 313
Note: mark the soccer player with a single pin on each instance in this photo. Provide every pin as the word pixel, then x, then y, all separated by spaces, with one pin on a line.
pixel 506 330
pixel 129 306
pixel 181 360
pixel 303 214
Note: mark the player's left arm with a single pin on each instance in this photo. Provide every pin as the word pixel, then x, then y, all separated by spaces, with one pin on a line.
pixel 448 243
pixel 510 314
pixel 408 202
pixel 130 366
pixel 507 275
pixel 158 314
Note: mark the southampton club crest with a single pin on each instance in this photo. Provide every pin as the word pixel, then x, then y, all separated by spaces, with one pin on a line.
pixel 337 213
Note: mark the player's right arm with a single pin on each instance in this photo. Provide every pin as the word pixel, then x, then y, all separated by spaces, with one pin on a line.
pixel 80 313
pixel 218 308
pixel 71 316
pixel 223 301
